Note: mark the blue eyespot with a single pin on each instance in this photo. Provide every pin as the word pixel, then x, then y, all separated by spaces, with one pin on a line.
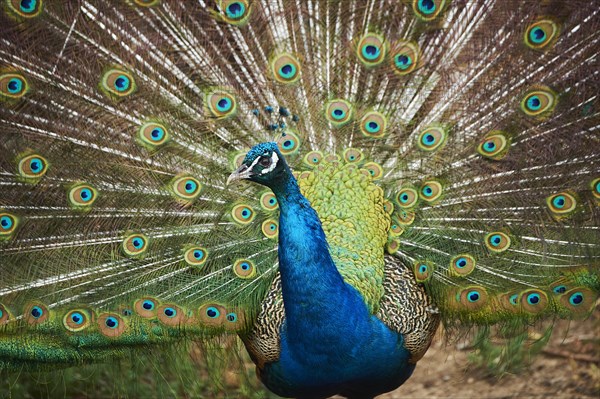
pixel 170 312
pixel 235 10
pixel 422 268
pixel 461 262
pixel 212 312
pixel 122 83
pixel 273 201
pixel 111 322
pixel 576 299
pixel 561 289
pixel 373 127
pixel 37 312
pixel 513 299
pixel 126 312
pixel 77 318
pixel 371 52
pixel 15 85
pixel 231 317
pixel 245 266
pixel 427 191
pixel 533 299
pixel 198 254
pixel 287 71
pixel 495 240
pixel 224 104
pixel 287 144
pixel 473 296
pixel 138 243
pixel 85 194
pixel 559 201
pixel 427 6
pixel 6 222
pixel 190 186
pixel 148 305
pixel 537 35
pixel 36 165
pixel 338 114
pixel 428 139
pixel 157 134
pixel 246 213
pixel 404 198
pixel 534 103
pixel 403 61
pixel 489 146
pixel 28 6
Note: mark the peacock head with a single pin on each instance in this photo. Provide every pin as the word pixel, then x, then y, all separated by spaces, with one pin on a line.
pixel 264 165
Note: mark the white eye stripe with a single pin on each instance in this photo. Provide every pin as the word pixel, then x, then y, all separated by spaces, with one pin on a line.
pixel 274 160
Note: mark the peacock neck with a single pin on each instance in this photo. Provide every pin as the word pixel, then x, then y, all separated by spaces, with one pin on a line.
pixel 316 298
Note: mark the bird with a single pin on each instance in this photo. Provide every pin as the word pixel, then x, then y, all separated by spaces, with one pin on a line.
pixel 328 180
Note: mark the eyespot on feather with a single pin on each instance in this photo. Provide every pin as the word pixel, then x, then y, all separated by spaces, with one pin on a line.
pixel 407 197
pixel 185 188
pixel 235 320
pixel 244 268
pixel 371 50
pixel 82 196
pixel 242 214
pixel 270 228
pixel 212 314
pixel 392 246
pixel 221 104
pixel 32 167
pixel 13 86
pixel 135 245
pixel 388 207
pixel 8 225
pixel 117 83
pixel 423 271
pixel 289 143
pixel 405 218
pixel 374 169
pixel 539 102
pixel 235 12
pixel 462 265
pixel 373 125
pixel 338 112
pixel 396 228
pixel 5 315
pixel 541 34
pixel 313 158
pixel 25 8
pixel 561 204
pixel 510 302
pixel 195 256
pixel 285 68
pixel 579 301
pixel 494 145
pixel 146 307
pixel 595 186
pixel 152 135
pixel 430 191
pixel 35 313
pixel 497 241
pixel 432 138
pixel 170 315
pixel 472 298
pixel 352 155
pixel 533 301
pixel 406 56
pixel 111 325
pixel 428 10
pixel 76 320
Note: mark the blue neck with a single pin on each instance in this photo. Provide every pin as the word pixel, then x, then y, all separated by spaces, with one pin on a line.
pixel 316 298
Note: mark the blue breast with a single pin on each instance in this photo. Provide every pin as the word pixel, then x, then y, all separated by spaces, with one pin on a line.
pixel 330 342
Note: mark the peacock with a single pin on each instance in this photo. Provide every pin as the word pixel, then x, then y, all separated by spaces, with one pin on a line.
pixel 328 180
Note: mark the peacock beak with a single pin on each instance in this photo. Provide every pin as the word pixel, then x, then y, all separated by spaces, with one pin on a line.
pixel 243 172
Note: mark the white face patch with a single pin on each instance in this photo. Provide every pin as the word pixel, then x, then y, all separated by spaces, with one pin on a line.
pixel 274 160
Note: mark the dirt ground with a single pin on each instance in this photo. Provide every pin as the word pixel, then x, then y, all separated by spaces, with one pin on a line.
pixel 568 367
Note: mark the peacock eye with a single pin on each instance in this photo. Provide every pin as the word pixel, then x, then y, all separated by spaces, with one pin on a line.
pixel 265 162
